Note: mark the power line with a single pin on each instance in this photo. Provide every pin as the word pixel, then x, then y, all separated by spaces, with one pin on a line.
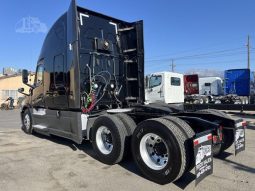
pixel 197 63
pixel 209 53
pixel 202 57
pixel 189 50
pixel 202 54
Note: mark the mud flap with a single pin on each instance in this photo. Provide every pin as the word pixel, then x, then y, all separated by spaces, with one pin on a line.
pixel 240 137
pixel 203 156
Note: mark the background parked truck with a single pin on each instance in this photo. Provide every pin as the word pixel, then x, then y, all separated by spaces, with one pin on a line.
pixel 237 87
pixel 240 84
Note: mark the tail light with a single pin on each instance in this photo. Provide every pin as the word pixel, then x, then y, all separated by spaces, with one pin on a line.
pixel 244 124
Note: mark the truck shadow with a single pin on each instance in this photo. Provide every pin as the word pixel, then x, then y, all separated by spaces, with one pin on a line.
pixel 87 148
pixel 223 155
pixel 185 180
pixel 238 166
pixel 127 164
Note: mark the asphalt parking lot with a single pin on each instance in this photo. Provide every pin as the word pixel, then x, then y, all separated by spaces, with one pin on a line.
pixel 35 162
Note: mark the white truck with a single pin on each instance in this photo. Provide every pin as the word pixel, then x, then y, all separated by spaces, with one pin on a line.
pixel 166 87
pixel 210 86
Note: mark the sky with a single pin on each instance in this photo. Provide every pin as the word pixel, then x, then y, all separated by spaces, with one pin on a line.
pixel 195 34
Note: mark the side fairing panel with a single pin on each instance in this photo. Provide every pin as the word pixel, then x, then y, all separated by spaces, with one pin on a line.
pixel 73 66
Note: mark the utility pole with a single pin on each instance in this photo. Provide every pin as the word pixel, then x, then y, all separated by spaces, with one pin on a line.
pixel 248 52
pixel 173 65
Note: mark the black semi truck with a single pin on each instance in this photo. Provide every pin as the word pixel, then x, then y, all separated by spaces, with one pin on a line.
pixel 89 85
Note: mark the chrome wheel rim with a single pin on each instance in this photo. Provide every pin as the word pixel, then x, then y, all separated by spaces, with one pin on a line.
pixel 27 121
pixel 154 151
pixel 104 140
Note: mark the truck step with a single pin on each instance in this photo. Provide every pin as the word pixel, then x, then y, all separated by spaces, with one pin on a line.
pixel 40 127
pixel 129 61
pixel 126 29
pixel 39 111
pixel 130 98
pixel 129 50
pixel 131 79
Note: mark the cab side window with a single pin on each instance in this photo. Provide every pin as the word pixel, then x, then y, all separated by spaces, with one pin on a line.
pixel 59 70
pixel 155 81
pixel 39 73
pixel 175 81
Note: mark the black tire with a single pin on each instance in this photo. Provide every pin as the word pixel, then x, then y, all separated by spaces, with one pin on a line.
pixel 228 138
pixel 174 140
pixel 242 100
pixel 128 122
pixel 189 134
pixel 200 100
pixel 185 128
pixel 206 100
pixel 130 126
pixel 118 138
pixel 228 135
pixel 27 122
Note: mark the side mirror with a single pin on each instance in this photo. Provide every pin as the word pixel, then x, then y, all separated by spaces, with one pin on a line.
pixel 24 76
pixel 146 81
pixel 21 90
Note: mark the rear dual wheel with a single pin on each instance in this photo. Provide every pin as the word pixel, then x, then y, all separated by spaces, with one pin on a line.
pixel 159 151
pixel 111 136
pixel 158 145
pixel 189 135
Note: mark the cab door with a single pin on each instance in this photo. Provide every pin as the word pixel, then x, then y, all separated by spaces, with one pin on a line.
pixel 154 92
pixel 38 91
pixel 59 88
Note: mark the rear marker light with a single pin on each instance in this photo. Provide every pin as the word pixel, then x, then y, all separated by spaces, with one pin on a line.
pixel 209 137
pixel 196 142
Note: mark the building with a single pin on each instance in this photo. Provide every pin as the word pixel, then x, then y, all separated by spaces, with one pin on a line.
pixel 9 71
pixel 9 86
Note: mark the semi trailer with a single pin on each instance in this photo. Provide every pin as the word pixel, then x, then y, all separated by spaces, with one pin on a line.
pixel 210 86
pixel 193 89
pixel 237 87
pixel 89 85
pixel 240 85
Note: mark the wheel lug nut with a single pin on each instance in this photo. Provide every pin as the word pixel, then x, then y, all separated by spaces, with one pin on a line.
pixel 158 140
pixel 158 160
pixel 150 145
pixel 152 153
pixel 152 138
